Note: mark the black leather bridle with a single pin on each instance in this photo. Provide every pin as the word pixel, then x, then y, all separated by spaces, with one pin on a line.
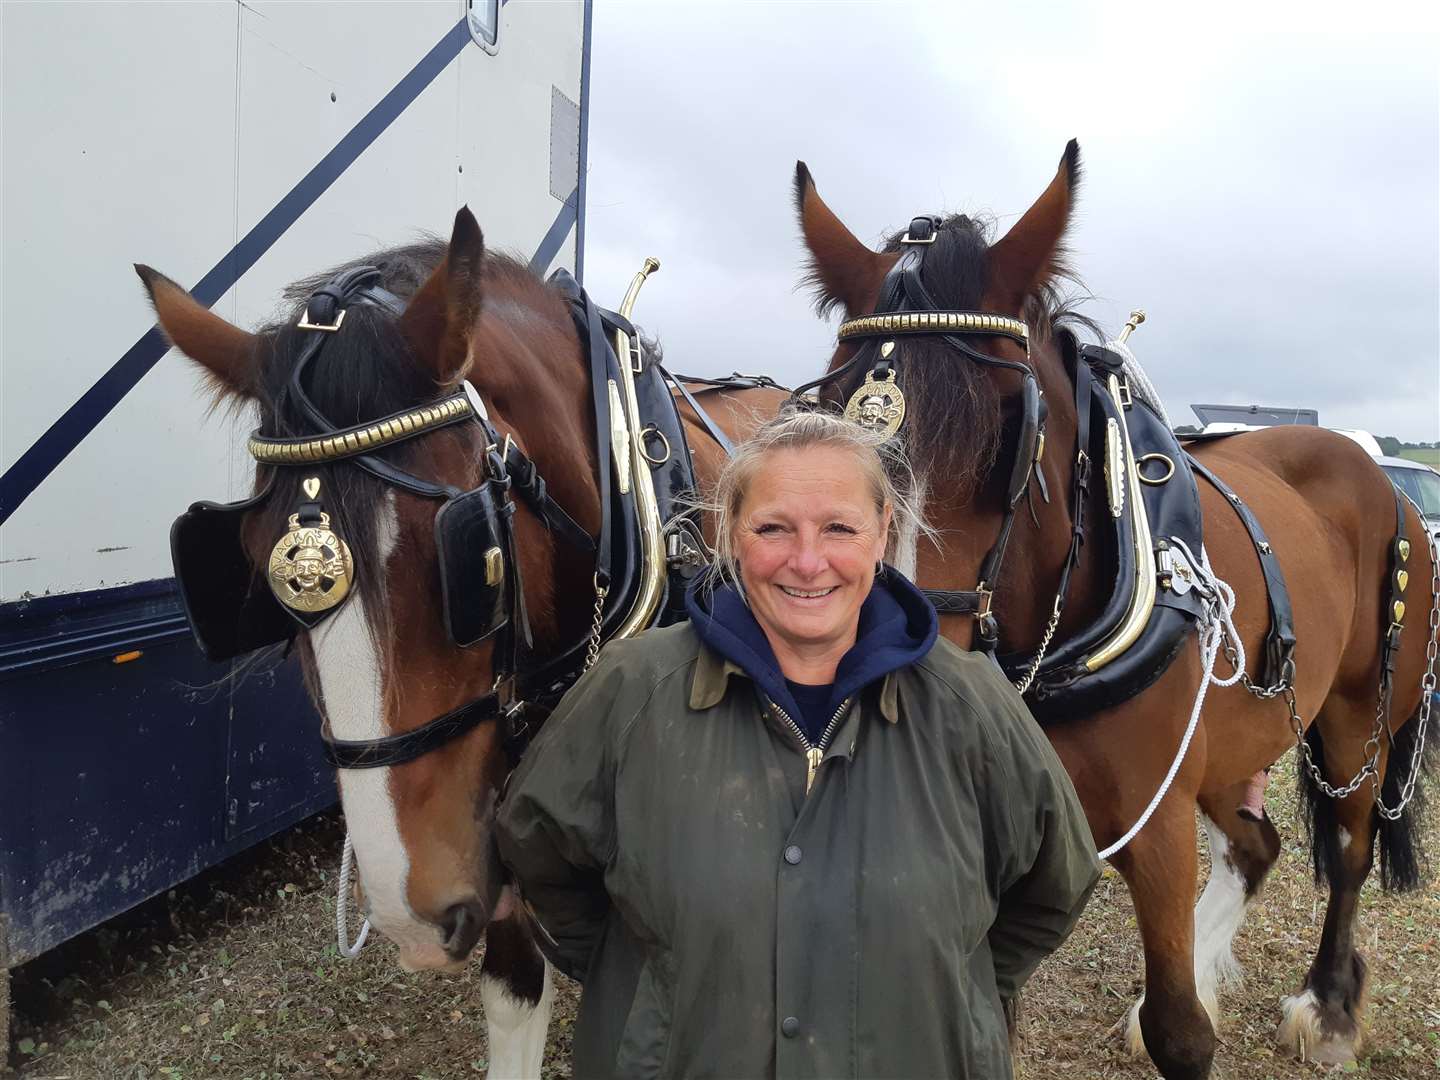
pixel 906 309
pixel 520 687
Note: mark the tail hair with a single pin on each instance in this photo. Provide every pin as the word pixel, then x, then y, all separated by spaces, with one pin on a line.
pixel 1404 863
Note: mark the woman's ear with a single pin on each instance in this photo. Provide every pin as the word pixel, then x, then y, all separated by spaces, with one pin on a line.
pixel 887 516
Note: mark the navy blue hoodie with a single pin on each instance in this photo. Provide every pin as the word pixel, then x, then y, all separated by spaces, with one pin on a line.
pixel 897 627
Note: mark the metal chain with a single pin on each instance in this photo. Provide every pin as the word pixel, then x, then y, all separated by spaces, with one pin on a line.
pixel 1023 685
pixel 592 650
pixel 1427 683
pixel 1371 768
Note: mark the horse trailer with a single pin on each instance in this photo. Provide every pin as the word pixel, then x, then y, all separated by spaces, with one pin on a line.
pixel 237 146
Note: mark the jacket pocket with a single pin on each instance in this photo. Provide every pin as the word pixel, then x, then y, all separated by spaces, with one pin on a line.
pixel 645 1042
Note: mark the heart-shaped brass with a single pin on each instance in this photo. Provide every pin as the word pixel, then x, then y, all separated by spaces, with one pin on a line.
pixel 1399 611
pixel 311 486
pixel 1402 578
pixel 1404 547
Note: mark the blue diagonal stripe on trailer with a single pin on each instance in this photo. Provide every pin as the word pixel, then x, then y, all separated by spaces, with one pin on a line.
pixel 555 237
pixel 38 462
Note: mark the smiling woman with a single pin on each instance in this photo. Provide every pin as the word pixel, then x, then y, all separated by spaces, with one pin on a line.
pixel 773 838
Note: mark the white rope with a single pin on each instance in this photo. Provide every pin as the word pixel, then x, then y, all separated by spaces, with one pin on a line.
pixel 342 905
pixel 1216 625
pixel 1140 384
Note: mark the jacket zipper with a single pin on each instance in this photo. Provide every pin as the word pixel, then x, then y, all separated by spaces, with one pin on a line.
pixel 814 752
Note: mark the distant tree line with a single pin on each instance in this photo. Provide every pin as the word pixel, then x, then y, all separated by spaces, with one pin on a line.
pixel 1391 446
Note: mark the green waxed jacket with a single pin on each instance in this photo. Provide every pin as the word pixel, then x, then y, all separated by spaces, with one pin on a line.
pixel 725 924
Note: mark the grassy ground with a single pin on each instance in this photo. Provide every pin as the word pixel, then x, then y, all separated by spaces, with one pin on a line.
pixel 236 975
pixel 1429 456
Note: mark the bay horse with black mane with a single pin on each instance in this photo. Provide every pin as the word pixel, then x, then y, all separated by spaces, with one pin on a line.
pixel 980 332
pixel 396 355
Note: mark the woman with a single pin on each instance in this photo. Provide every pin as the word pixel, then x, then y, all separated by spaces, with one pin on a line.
pixel 798 836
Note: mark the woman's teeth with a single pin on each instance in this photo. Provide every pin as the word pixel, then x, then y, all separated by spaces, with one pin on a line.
pixel 808 594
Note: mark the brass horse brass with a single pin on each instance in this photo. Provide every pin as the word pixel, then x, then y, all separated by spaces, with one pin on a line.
pixel 878 405
pixel 310 567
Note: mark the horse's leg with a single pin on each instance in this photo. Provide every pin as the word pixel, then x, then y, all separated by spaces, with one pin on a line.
pixel 1242 851
pixel 1160 866
pixel 1322 1022
pixel 517 988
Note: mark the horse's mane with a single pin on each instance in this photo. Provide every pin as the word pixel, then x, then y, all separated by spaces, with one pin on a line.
pixel 954 423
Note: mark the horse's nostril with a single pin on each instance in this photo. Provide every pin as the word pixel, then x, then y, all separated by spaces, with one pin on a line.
pixel 463 925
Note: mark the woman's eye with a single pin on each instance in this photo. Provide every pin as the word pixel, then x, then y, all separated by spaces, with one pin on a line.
pixel 841 528
pixel 767 529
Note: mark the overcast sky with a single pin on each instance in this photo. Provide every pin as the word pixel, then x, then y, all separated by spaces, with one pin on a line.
pixel 1263 179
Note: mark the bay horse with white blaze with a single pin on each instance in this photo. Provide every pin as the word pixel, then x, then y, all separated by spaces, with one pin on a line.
pixel 434 320
pixel 1331 517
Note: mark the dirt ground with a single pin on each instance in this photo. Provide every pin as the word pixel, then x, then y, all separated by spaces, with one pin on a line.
pixel 236 974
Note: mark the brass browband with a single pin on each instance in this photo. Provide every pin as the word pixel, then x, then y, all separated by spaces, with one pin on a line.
pixel 933 322
pixel 361 439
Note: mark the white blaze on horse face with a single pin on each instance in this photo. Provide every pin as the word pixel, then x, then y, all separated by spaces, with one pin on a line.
pixel 350 667
pixel 907 540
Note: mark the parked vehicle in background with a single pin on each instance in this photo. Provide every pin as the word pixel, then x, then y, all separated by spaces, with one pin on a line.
pixel 1421 483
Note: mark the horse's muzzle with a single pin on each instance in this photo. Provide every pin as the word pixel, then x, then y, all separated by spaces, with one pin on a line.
pixel 462 925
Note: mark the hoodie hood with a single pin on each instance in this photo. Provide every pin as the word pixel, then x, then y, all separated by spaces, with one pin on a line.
pixel 897 627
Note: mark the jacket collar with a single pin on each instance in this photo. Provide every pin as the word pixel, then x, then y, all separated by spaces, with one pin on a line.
pixel 712 680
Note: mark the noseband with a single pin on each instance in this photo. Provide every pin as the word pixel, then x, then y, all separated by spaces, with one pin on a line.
pixel 906 309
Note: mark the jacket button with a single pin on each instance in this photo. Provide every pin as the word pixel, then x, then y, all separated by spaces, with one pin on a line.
pixel 790 1027
pixel 793 856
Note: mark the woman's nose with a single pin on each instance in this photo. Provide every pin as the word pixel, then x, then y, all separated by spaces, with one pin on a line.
pixel 807 557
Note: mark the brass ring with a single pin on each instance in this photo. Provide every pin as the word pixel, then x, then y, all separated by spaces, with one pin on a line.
pixel 1169 469
pixel 645 450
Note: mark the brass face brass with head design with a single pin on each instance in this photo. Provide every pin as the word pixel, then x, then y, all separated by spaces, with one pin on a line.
pixel 878 405
pixel 310 567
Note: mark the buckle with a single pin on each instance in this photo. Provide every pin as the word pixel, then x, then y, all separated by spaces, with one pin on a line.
pixel 908 239
pixel 986 597
pixel 306 324
pixel 933 224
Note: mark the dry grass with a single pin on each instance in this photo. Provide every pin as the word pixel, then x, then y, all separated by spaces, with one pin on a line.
pixel 236 975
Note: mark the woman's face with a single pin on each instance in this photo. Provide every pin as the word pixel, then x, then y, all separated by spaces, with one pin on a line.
pixel 808 537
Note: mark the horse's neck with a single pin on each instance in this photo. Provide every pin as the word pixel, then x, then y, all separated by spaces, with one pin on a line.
pixel 530 366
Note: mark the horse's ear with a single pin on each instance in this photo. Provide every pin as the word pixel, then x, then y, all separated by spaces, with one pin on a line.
pixel 841 270
pixel 1032 252
pixel 440 318
pixel 226 352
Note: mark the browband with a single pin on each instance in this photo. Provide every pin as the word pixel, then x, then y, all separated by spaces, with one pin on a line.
pixel 362 438
pixel 933 322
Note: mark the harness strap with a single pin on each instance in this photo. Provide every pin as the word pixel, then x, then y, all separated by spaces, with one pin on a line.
pixel 1080 498
pixel 1280 638
pixel 956 601
pixel 713 428
pixel 592 332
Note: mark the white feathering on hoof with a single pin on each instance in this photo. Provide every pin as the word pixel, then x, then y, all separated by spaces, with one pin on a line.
pixel 1129 1024
pixel 1302 1032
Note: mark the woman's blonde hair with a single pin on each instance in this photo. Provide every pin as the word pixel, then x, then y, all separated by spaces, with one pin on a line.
pixel 883 464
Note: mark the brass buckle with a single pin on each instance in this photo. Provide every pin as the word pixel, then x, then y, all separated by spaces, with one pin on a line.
pixel 986 596
pixel 494 566
pixel 908 239
pixel 1126 400
pixel 306 324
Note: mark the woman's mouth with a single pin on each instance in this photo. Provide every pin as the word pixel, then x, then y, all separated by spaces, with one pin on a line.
pixel 807 594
